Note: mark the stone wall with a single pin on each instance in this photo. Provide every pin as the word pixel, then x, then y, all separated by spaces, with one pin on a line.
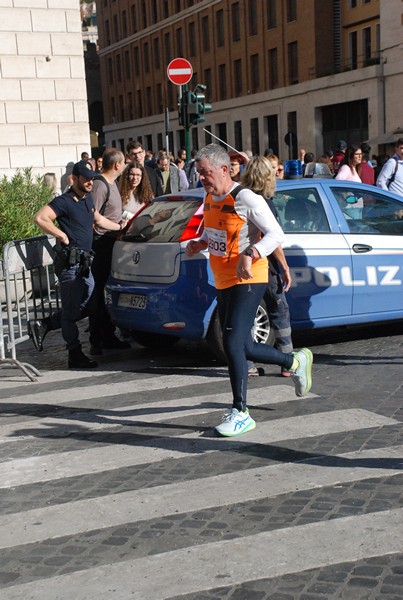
pixel 43 98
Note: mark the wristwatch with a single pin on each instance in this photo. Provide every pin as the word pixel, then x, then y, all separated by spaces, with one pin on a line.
pixel 249 252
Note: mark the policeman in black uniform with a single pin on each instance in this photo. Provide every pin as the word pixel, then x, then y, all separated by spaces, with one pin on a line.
pixel 76 215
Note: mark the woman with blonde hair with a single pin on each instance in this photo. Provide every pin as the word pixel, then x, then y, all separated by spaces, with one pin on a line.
pixel 135 189
pixel 260 177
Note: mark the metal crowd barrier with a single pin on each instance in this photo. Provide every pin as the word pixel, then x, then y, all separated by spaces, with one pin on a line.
pixel 28 290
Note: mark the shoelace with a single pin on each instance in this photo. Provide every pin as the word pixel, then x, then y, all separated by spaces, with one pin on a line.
pixel 228 416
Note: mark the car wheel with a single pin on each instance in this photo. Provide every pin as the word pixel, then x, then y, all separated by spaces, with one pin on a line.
pixel 154 340
pixel 262 332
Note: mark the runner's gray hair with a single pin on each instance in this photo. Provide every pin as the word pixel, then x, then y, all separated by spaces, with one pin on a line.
pixel 215 154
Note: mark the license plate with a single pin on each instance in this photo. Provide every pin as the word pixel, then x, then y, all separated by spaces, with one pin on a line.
pixel 133 301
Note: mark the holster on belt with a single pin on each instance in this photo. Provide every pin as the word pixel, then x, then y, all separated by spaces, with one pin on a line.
pixel 60 259
pixel 86 259
pixel 66 257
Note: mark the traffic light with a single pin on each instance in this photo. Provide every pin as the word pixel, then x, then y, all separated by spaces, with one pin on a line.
pixel 183 110
pixel 192 106
pixel 204 106
pixel 193 109
pixel 197 105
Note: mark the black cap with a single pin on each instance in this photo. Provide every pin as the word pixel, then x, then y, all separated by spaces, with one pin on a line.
pixel 341 145
pixel 84 168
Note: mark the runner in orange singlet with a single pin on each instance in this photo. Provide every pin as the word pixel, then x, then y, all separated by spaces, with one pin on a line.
pixel 239 233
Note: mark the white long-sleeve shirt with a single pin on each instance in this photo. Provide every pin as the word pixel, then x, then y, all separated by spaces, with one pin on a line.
pixel 253 208
pixel 387 172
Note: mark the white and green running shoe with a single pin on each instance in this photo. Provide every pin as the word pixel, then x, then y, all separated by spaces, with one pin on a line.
pixel 302 376
pixel 235 422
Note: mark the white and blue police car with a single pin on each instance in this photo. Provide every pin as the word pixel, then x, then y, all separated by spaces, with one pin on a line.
pixel 344 245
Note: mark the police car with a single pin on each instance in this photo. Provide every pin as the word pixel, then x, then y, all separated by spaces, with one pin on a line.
pixel 344 245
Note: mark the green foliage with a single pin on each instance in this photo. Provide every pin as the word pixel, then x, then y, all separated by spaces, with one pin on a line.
pixel 20 198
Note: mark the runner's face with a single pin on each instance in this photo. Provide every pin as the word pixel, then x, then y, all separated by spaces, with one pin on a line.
pixel 211 178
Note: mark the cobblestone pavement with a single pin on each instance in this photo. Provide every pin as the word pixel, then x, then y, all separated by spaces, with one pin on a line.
pixel 113 485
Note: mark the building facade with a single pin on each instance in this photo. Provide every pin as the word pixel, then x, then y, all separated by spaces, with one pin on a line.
pixel 88 15
pixel 318 70
pixel 43 98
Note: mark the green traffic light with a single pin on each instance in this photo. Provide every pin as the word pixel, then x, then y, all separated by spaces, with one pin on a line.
pixel 193 106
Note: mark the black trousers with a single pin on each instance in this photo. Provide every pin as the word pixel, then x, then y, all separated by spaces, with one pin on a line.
pixel 101 325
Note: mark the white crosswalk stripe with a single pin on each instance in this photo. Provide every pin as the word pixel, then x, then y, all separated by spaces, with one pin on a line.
pixel 204 565
pixel 198 568
pixel 111 511
pixel 69 394
pixel 71 464
pixel 139 413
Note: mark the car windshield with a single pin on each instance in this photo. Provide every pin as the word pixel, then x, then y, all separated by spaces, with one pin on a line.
pixel 162 220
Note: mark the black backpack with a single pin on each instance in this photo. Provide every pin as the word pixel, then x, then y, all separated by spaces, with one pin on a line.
pixel 391 180
pixel 108 193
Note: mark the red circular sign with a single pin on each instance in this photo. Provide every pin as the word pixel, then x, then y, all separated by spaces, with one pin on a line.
pixel 179 71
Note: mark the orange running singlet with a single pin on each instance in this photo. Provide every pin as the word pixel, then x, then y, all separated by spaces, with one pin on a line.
pixel 228 236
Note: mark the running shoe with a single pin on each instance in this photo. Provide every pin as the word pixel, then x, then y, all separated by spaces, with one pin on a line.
pixel 302 376
pixel 235 422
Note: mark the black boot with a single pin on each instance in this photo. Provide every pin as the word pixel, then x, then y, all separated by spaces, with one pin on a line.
pixel 37 331
pixel 78 360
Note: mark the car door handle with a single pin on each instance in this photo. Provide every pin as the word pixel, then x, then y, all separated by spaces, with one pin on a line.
pixel 361 248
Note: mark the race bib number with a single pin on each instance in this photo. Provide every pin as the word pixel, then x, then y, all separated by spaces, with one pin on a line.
pixel 217 241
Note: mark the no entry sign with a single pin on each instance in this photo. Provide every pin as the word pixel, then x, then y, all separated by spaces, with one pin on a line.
pixel 179 71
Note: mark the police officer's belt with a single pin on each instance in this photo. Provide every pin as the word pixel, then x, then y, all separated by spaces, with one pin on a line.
pixel 72 256
pixel 76 256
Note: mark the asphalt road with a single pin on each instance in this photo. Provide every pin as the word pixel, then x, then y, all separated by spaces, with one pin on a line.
pixel 113 484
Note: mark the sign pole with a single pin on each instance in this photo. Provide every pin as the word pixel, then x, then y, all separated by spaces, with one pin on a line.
pixel 179 73
pixel 184 89
pixel 166 120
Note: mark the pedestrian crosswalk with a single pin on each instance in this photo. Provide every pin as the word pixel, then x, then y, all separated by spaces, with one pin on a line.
pixel 106 494
pixel 201 567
